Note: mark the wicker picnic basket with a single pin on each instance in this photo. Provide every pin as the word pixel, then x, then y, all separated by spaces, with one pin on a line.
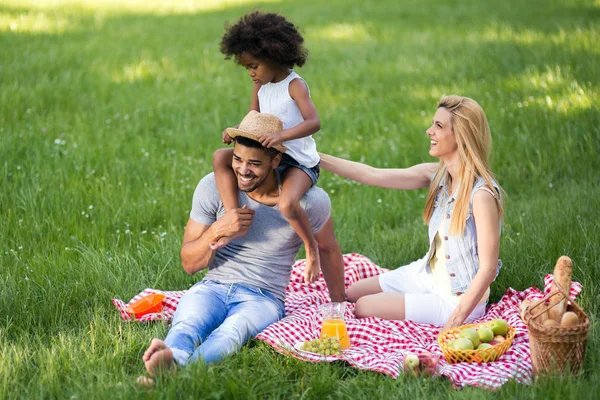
pixel 556 348
pixel 472 356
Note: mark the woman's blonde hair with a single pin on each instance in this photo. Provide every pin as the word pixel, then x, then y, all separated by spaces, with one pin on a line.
pixel 474 141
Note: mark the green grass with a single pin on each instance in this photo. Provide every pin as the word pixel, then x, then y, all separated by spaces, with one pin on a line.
pixel 110 112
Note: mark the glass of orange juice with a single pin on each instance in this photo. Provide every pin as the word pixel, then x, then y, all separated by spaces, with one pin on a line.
pixel 333 322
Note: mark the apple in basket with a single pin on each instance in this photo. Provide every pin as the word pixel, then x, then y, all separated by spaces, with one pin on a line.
pixel 498 326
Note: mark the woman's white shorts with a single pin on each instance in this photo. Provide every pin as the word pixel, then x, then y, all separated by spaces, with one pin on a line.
pixel 422 304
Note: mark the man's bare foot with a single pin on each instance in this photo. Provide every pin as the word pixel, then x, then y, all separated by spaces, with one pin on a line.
pixel 160 362
pixel 313 266
pixel 144 382
pixel 155 345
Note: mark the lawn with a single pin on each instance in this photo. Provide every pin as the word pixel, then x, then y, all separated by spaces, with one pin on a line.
pixel 109 114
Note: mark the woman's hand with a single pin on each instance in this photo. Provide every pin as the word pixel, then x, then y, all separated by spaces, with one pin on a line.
pixel 453 322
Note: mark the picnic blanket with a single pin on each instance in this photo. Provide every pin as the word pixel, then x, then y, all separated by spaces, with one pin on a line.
pixel 380 345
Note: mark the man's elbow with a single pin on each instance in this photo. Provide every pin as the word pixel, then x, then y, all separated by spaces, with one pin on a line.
pixel 190 266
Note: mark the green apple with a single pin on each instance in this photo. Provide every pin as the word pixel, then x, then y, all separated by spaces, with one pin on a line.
pixel 485 334
pixel 471 334
pixel 411 363
pixel 463 344
pixel 484 346
pixel 498 326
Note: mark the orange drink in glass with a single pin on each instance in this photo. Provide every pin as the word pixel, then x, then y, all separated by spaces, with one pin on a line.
pixel 337 328
pixel 334 324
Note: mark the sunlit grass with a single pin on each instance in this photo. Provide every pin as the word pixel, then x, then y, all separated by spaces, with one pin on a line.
pixel 351 32
pixel 136 6
pixel 34 23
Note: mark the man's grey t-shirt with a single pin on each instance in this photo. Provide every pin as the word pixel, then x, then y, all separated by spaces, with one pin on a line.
pixel 264 256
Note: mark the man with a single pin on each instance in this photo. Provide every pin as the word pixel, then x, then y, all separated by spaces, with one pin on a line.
pixel 243 291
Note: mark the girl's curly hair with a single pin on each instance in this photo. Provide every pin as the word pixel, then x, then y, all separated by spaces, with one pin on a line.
pixel 266 36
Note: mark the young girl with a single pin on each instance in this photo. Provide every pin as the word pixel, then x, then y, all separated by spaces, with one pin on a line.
pixel 269 46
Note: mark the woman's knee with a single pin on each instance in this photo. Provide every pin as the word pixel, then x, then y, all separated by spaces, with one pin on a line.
pixel 353 293
pixel 363 308
pixel 363 288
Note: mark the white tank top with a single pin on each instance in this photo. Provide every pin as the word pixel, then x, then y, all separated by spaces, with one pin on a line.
pixel 274 98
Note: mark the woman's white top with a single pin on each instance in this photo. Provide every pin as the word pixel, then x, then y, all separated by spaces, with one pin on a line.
pixel 274 98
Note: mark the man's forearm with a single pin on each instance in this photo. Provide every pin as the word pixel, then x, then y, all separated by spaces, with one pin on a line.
pixel 197 254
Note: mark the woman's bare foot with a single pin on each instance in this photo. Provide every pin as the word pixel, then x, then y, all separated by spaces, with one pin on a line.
pixel 313 266
pixel 144 382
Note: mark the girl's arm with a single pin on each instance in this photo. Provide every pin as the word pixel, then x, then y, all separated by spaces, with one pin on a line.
pixel 415 177
pixel 311 124
pixel 486 215
pixel 254 106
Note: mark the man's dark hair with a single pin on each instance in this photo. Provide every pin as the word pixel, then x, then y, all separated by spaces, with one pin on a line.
pixel 244 141
pixel 266 36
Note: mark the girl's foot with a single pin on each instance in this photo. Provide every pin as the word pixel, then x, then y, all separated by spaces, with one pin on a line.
pixel 313 266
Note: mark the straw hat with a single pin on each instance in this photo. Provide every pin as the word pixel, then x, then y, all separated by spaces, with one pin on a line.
pixel 254 124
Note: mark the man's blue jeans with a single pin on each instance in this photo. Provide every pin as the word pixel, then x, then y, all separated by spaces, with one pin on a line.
pixel 214 320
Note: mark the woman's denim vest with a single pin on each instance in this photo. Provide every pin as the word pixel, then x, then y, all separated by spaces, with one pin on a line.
pixel 462 257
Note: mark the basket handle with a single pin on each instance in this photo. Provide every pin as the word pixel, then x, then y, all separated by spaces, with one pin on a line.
pixel 567 296
pixel 559 291
pixel 541 305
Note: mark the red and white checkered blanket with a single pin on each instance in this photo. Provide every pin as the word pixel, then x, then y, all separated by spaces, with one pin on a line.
pixel 377 344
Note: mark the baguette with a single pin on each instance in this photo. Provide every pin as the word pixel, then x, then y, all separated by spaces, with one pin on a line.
pixel 563 271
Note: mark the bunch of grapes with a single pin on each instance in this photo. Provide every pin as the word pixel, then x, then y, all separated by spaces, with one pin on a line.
pixel 327 346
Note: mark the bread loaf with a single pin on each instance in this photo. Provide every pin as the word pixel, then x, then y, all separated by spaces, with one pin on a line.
pixel 569 319
pixel 563 271
pixel 551 322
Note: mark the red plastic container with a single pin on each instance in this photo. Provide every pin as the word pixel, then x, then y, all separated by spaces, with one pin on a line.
pixel 152 303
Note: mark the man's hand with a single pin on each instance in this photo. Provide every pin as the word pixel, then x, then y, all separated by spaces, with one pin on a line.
pixel 270 139
pixel 234 224
pixel 226 138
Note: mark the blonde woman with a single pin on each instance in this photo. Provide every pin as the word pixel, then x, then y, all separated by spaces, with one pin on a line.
pixel 451 284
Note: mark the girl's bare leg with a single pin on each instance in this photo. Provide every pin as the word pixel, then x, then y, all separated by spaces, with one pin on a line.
pixel 295 184
pixel 227 186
